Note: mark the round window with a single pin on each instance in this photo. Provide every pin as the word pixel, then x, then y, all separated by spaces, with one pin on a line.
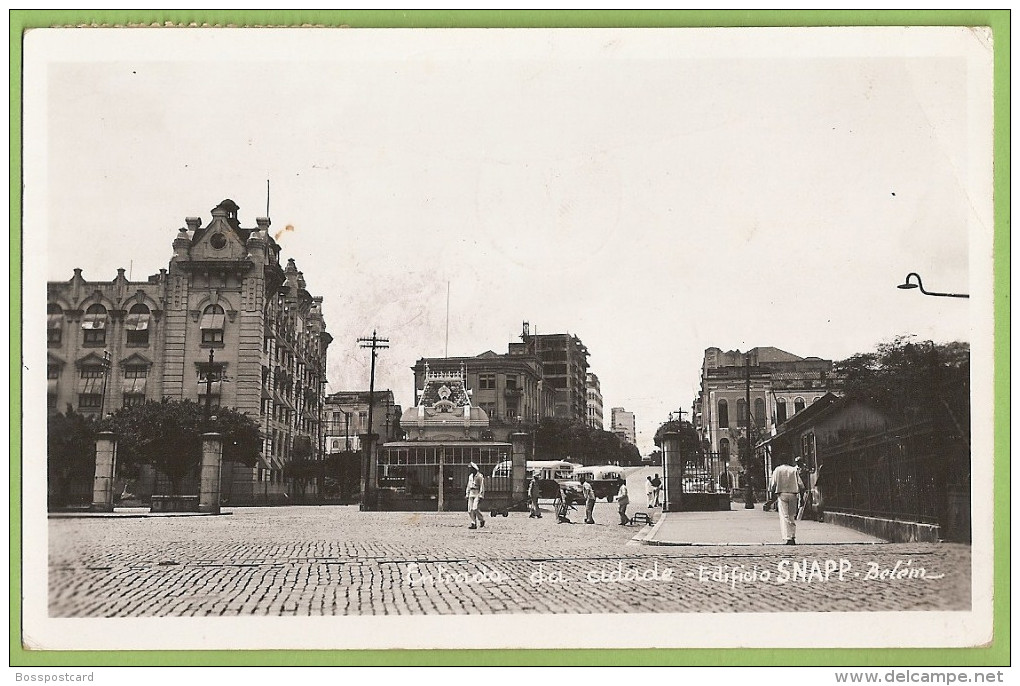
pixel 218 241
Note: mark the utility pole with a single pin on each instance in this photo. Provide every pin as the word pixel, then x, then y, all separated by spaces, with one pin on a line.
pixel 208 389
pixel 375 343
pixel 748 486
pixel 106 375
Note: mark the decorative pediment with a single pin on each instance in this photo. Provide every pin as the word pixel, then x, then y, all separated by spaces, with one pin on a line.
pixel 136 360
pixel 54 359
pixel 91 359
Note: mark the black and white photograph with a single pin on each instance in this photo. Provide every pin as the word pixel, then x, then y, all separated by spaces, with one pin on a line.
pixel 507 338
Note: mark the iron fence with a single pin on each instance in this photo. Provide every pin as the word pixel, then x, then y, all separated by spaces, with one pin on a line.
pixel 901 474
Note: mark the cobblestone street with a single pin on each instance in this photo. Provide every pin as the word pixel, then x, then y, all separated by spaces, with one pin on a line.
pixel 323 561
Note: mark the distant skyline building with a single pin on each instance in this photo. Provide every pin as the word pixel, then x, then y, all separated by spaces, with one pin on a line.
pixel 594 392
pixel 346 419
pixel 623 424
pixel 564 369
pixel 509 388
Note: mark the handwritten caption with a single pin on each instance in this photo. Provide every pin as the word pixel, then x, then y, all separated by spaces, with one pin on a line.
pixel 785 571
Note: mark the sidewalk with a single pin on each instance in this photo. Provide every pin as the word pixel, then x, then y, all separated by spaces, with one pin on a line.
pixel 127 513
pixel 742 527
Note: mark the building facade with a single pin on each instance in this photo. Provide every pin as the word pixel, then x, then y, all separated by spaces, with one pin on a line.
pixel 594 394
pixel 564 368
pixel 225 319
pixel 781 385
pixel 346 419
pixel 508 388
pixel 622 424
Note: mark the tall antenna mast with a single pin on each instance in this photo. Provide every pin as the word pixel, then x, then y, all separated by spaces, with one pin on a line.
pixel 267 198
pixel 447 354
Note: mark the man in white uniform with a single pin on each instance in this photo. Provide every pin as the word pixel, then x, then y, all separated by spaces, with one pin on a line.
pixel 787 486
pixel 475 492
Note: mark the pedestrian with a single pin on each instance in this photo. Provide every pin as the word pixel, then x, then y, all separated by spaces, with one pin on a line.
pixel 563 505
pixel 624 500
pixel 656 490
pixel 787 487
pixel 806 500
pixel 649 492
pixel 475 492
pixel 533 492
pixel 589 499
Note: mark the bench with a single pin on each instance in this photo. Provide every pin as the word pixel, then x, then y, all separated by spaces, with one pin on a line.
pixel 640 517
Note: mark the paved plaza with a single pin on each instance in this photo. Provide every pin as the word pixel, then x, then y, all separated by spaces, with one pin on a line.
pixel 336 560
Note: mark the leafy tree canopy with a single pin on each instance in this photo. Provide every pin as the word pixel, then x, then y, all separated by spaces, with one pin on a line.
pixel 560 439
pixel 167 434
pixel 71 445
pixel 912 380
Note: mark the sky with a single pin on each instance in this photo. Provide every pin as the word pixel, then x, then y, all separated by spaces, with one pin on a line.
pixel 654 192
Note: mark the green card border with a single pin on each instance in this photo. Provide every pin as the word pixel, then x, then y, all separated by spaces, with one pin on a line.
pixel 994 654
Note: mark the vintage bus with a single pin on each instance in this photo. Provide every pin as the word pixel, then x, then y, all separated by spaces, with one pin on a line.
pixel 551 473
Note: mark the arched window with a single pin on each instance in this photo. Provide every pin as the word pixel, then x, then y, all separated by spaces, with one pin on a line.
pixel 780 410
pixel 54 325
pixel 741 412
pixel 212 323
pixel 759 412
pixel 724 448
pixel 336 445
pixel 724 415
pixel 137 325
pixel 798 405
pixel 94 325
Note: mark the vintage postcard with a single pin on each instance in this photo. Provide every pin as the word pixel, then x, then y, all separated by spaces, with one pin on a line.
pixel 507 338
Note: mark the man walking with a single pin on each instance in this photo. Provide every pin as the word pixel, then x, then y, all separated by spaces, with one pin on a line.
pixel 475 492
pixel 623 499
pixel 786 485
pixel 649 492
pixel 589 499
pixel 533 492
pixel 656 490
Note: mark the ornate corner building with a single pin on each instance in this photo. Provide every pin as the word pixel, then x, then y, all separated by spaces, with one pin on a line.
pixel 224 319
pixel 780 386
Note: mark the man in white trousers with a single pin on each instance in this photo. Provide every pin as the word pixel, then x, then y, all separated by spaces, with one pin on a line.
pixel 787 486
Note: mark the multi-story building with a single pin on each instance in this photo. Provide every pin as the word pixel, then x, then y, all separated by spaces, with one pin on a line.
pixel 508 388
pixel 225 319
pixel 781 385
pixel 564 368
pixel 594 394
pixel 346 418
pixel 623 425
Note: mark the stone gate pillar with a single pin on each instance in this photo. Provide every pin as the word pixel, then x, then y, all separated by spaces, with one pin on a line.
pixel 106 468
pixel 672 473
pixel 212 467
pixel 370 465
pixel 519 465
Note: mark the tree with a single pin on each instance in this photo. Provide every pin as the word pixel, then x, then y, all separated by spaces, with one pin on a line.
pixel 302 468
pixel 167 434
pixel 912 381
pixel 560 439
pixel 70 455
pixel 342 473
pixel 242 440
